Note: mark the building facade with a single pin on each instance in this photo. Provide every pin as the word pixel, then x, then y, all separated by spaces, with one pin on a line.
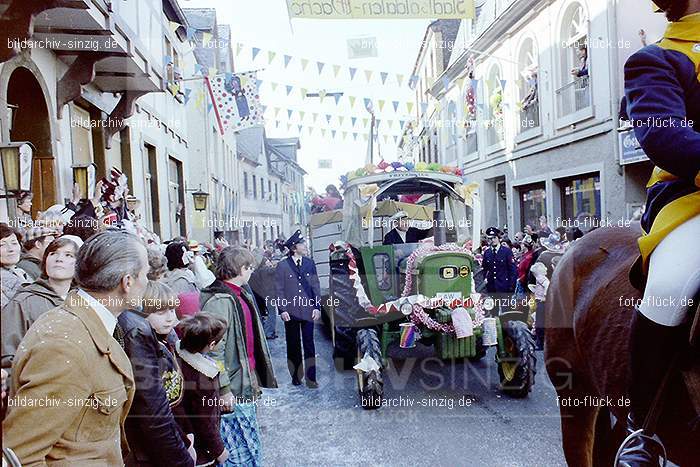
pixel 528 107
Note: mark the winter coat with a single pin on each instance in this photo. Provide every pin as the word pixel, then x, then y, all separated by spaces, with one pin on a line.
pixel 153 434
pixel 219 300
pixel 11 280
pixel 181 280
pixel 199 413
pixel 31 265
pixel 262 284
pixel 28 304
pixel 69 360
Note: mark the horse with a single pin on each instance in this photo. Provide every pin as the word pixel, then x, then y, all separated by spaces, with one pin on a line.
pixel 588 311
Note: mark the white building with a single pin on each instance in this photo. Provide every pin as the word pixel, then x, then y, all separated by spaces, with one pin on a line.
pixel 540 140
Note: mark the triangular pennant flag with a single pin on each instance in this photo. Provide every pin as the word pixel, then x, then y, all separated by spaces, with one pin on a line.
pixel 337 98
pixel 364 122
pixel 209 107
pixel 328 118
pixel 277 111
pixel 264 107
pixel 300 127
pixel 304 62
pixel 289 89
pixel 289 127
pixel 460 82
pixel 368 103
pixel 395 104
pixel 385 138
pixel 378 120
pixel 409 106
pixel 187 95
pixel 336 70
pixel 395 139
pixel 365 137
pixel 412 82
pixel 438 106
pixel 368 75
pixel 322 94
pixel 315 115
pixel 345 135
pixel 402 123
pixel 381 104
pixel 273 86
pixel 352 101
pixel 289 113
pixel 320 66
pixel 301 115
pixel 198 68
pixel 277 123
pixel 239 47
pixel 270 56
pixel 256 51
pixel 340 120
pixel 353 120
pixel 399 79
pixel 323 132
pixel 503 84
pixel 303 93
pixel 352 73
pixel 384 75
pixel 174 26
pixel 354 135
pixel 333 133
pixel 206 38
pixel 287 59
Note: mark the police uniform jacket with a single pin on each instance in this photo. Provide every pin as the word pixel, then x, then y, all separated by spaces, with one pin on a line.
pixel 298 288
pixel 499 270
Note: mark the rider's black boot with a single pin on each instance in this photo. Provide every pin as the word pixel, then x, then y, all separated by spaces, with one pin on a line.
pixel 652 348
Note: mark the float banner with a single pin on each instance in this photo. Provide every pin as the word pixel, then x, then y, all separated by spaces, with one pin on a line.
pixel 381 9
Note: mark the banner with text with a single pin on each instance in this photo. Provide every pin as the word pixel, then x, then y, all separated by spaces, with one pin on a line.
pixel 381 9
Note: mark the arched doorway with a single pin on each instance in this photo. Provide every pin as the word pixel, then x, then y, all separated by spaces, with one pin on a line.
pixel 31 123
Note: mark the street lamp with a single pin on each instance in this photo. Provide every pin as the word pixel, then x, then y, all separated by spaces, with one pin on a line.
pixel 84 176
pixel 16 167
pixel 200 199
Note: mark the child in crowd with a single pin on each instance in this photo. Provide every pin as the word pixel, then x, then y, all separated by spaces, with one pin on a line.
pixel 199 412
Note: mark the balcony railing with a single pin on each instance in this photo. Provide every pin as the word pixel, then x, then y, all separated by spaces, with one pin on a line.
pixel 574 96
pixel 529 118
pixel 494 132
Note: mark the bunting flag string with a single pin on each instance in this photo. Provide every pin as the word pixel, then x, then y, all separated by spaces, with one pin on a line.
pixel 334 132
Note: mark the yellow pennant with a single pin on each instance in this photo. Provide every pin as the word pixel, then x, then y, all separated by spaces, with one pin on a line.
pixel 303 93
pixel 409 106
pixel 341 120
pixel 304 63
pixel 399 79
pixel 301 115
pixel 315 115
pixel 274 86
pixel 368 75
pixel 270 56
pixel 364 121
pixel 352 101
pixel 206 38
pixel 381 104
pixel 336 70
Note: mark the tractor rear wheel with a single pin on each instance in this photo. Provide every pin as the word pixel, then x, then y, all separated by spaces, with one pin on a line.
pixel 517 368
pixel 370 385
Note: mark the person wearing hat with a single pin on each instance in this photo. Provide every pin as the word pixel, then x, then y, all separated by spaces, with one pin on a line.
pixel 299 305
pixel 402 232
pixel 498 264
pixel 35 240
pixel 662 91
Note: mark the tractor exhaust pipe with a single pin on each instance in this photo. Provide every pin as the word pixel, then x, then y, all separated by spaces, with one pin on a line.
pixel 439 230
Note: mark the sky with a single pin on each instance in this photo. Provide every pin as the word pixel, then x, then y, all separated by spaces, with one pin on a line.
pixel 264 24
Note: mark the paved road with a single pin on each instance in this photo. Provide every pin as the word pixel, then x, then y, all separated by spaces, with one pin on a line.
pixel 442 414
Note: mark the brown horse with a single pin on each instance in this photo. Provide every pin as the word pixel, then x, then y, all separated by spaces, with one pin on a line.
pixel 589 306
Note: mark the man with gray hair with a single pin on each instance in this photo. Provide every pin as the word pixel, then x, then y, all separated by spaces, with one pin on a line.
pixel 72 383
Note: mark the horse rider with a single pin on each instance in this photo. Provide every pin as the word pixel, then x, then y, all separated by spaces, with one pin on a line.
pixel 662 89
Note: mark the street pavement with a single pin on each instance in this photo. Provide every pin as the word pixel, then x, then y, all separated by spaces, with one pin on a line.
pixel 441 414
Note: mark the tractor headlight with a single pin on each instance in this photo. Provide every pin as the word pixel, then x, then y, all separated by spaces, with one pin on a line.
pixel 488 304
pixel 406 309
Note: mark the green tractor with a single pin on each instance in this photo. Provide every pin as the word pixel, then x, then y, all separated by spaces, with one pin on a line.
pixel 379 294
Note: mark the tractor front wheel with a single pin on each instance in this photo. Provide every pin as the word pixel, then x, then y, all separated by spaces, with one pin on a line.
pixel 517 367
pixel 370 385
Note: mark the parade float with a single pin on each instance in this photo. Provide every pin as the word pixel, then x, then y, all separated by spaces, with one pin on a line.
pixel 382 295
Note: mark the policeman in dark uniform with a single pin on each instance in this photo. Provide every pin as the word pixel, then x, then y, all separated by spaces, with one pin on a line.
pixel 498 264
pixel 662 90
pixel 299 305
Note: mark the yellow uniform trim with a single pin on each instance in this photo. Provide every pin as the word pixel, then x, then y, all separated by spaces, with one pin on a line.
pixel 671 216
